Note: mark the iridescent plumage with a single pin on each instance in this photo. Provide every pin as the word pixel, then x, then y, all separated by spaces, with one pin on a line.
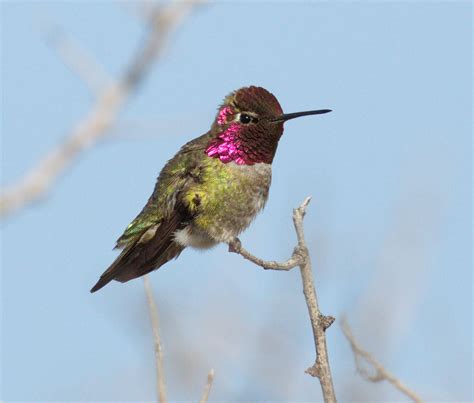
pixel 210 191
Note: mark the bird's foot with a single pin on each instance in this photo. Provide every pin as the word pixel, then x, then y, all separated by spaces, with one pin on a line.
pixel 235 245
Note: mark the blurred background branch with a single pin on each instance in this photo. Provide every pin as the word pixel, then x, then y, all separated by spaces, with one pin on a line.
pixel 381 374
pixel 155 326
pixel 207 387
pixel 103 113
pixel 160 372
pixel 319 323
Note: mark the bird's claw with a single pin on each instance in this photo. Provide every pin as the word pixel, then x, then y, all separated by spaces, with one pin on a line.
pixel 235 245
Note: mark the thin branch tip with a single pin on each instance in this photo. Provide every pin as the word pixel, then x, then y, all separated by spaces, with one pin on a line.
pixel 208 386
pixel 306 201
pixel 154 318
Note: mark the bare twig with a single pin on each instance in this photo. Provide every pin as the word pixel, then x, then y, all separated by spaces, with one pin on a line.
pixel 160 373
pixel 207 388
pixel 319 322
pixel 381 374
pixel 101 116
pixel 296 259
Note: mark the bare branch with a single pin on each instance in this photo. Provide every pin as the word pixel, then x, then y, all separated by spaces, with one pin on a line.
pixel 101 116
pixel 319 322
pixel 381 374
pixel 160 373
pixel 295 260
pixel 207 388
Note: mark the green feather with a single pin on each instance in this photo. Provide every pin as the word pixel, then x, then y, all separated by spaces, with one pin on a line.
pixel 170 185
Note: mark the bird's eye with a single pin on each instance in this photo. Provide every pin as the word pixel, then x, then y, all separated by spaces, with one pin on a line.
pixel 244 118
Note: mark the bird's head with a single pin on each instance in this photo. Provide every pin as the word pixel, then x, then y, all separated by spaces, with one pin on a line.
pixel 248 126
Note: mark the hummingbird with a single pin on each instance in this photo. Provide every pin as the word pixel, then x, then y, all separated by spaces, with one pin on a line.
pixel 211 190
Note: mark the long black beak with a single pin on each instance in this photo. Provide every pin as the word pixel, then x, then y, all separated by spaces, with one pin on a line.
pixel 288 116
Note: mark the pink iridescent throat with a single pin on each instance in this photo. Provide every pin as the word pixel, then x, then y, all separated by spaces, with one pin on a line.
pixel 226 146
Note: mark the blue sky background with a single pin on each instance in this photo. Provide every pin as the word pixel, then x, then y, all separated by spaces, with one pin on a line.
pixel 389 227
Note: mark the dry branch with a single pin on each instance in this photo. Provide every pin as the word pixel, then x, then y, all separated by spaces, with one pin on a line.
pixel 154 318
pixel 319 322
pixel 103 113
pixel 160 372
pixel 207 388
pixel 381 374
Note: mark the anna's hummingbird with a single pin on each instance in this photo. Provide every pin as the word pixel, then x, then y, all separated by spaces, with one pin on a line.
pixel 211 190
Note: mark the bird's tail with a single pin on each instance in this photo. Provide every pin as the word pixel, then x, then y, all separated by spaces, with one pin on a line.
pixel 139 259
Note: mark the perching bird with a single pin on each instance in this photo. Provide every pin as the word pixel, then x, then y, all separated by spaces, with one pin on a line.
pixel 211 190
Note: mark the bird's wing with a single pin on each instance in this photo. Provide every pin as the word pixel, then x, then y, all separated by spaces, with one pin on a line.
pixel 153 249
pixel 148 242
pixel 177 175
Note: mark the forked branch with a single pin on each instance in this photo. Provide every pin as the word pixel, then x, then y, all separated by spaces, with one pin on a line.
pixel 319 322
